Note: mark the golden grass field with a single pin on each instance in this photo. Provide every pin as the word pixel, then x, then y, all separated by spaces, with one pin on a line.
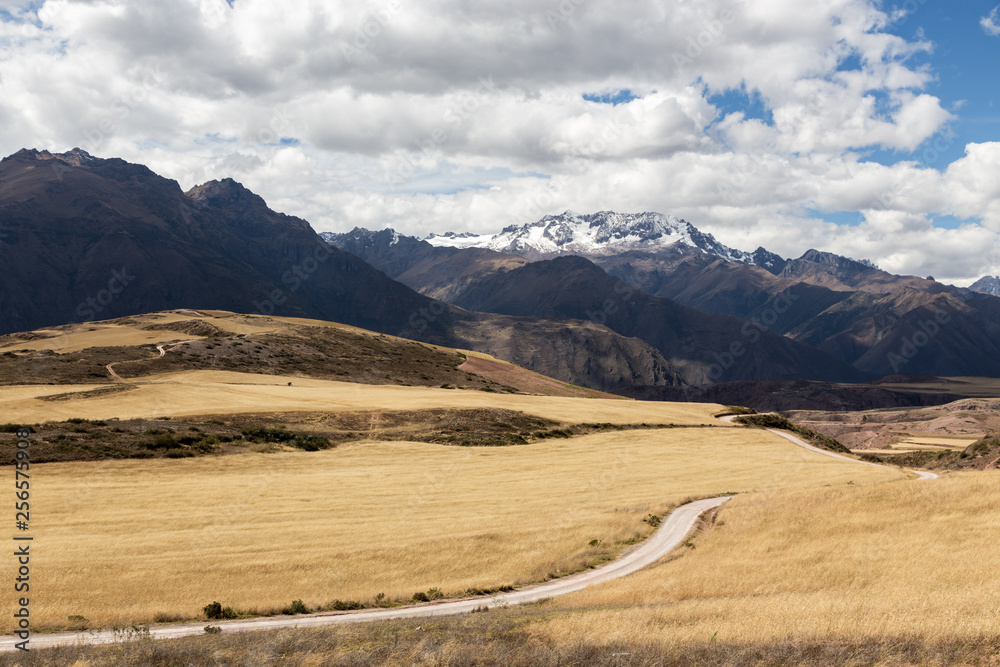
pixel 190 393
pixel 83 337
pixel 857 563
pixel 126 541
pixel 939 442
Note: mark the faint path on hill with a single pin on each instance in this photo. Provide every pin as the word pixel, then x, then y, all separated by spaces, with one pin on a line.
pixel 922 475
pixel 163 352
pixel 671 533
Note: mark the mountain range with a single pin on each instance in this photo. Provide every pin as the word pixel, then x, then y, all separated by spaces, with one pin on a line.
pixel 642 304
pixel 602 234
pixel 85 238
pixel 878 323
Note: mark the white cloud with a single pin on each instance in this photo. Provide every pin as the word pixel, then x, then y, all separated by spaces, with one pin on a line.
pixel 454 115
pixel 990 22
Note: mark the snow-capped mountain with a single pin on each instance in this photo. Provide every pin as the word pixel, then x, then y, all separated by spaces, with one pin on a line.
pixel 601 234
pixel 987 285
pixel 463 240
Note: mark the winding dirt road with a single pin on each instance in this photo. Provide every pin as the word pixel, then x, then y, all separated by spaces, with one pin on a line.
pixel 921 474
pixel 671 534
pixel 173 346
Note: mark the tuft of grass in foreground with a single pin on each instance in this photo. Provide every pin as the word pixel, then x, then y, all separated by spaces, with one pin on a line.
pixel 506 637
pixel 777 421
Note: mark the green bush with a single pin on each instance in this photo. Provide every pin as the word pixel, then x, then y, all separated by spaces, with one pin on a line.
pixel 179 454
pixel 163 442
pixel 297 607
pixel 304 441
pixel 348 605
pixel 214 610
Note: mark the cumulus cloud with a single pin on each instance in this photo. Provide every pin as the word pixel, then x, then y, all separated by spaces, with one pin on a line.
pixel 471 116
pixel 990 22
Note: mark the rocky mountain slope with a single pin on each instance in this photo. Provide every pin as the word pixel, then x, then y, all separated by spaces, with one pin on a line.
pixel 697 343
pixel 878 322
pixel 987 285
pixel 84 239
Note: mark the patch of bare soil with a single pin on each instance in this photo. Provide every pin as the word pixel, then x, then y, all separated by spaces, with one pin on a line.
pixel 877 429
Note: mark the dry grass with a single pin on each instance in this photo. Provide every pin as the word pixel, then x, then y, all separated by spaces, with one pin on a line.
pixel 126 541
pixel 189 393
pixel 939 442
pixel 855 564
pixel 501 637
pixel 82 336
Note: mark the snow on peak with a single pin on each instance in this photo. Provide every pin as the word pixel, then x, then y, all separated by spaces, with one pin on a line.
pixel 603 233
pixel 463 240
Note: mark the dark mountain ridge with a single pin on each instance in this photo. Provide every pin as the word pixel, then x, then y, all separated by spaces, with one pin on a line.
pixel 84 238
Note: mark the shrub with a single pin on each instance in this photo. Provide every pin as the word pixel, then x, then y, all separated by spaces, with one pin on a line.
pixel 304 441
pixel 435 594
pixel 347 605
pixel 212 610
pixel 297 607
pixel 179 454
pixel 163 442
pixel 420 596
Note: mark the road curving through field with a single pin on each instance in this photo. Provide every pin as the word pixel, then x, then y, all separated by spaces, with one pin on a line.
pixel 671 533
pixel 922 475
